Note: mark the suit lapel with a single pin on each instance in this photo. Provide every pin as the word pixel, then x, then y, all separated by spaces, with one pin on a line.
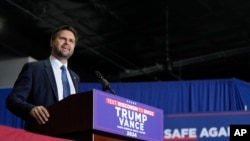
pixel 49 71
pixel 75 81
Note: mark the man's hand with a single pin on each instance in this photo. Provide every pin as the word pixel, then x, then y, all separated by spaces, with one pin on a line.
pixel 40 113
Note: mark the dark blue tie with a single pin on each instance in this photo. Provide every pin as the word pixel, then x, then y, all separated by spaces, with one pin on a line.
pixel 65 82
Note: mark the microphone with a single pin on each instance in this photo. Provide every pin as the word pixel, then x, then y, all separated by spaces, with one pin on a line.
pixel 104 82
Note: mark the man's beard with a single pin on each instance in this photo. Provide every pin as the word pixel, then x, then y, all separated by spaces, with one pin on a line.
pixel 60 54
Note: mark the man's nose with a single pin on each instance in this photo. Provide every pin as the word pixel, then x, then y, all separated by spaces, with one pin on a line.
pixel 66 41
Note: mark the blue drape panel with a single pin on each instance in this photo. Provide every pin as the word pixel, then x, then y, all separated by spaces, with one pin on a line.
pixel 243 92
pixel 7 118
pixel 188 96
pixel 185 96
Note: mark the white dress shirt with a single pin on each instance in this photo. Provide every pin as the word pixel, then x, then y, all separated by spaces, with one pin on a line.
pixel 56 66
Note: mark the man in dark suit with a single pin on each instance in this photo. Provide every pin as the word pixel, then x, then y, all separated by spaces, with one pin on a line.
pixel 40 85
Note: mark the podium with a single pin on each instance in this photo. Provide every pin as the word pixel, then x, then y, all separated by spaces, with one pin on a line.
pixel 100 116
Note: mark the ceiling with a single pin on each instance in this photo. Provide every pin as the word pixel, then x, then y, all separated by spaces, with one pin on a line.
pixel 139 40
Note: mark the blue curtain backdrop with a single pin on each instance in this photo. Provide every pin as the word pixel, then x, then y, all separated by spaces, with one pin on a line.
pixel 6 117
pixel 189 96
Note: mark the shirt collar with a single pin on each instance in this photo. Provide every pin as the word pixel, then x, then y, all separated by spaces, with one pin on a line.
pixel 56 63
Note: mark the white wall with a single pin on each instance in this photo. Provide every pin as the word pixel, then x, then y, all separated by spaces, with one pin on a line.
pixel 10 68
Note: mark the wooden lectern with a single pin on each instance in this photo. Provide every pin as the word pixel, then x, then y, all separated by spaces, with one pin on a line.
pixel 93 116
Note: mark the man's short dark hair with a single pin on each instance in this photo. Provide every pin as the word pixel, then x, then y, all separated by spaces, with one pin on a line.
pixel 65 27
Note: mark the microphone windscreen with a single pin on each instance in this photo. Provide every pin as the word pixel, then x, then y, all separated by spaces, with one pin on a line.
pixel 98 74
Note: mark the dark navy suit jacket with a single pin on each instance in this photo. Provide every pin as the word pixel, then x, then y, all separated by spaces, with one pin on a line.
pixel 35 85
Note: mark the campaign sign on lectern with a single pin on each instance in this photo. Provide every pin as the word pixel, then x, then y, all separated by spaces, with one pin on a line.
pixel 125 117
